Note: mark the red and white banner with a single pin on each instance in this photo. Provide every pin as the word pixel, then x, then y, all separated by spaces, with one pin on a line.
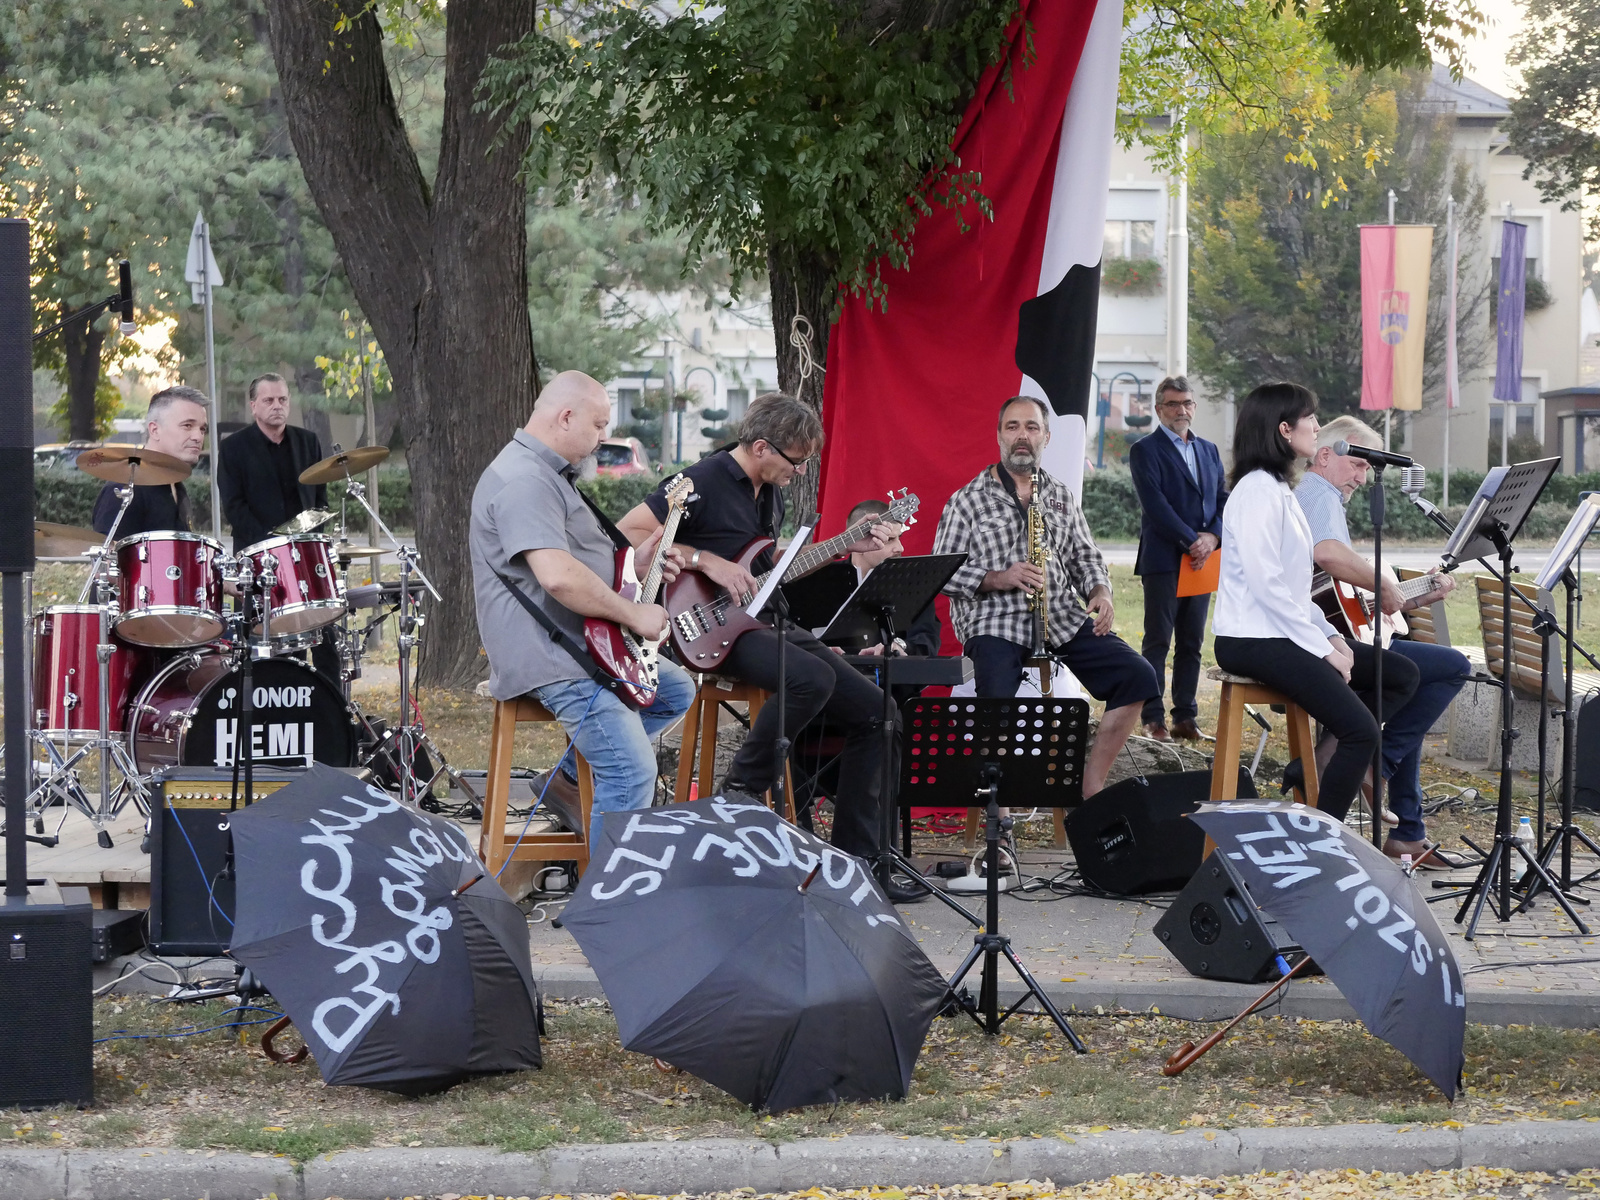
pixel 1006 307
pixel 1396 261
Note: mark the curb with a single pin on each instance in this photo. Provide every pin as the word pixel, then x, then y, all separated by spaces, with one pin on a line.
pixel 722 1164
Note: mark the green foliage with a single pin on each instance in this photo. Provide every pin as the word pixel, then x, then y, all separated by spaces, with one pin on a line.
pixel 1555 122
pixel 1110 503
pixel 616 494
pixel 718 431
pixel 67 497
pixel 1131 276
pixel 760 124
pixel 1276 259
pixel 346 378
pixel 107 404
pixel 650 415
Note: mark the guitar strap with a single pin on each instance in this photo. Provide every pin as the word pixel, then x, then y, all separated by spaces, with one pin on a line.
pixel 561 637
pixel 616 535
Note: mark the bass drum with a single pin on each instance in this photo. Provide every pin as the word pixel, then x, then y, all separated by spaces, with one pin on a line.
pixel 188 715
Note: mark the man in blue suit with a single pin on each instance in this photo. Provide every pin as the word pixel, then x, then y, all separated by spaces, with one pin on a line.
pixel 1180 483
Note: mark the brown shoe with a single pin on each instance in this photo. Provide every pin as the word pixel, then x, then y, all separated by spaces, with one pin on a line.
pixel 1438 860
pixel 1187 730
pixel 1157 731
pixel 561 800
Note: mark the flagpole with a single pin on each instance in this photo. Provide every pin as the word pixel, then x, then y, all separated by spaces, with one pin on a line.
pixel 1388 416
pixel 211 386
pixel 1451 383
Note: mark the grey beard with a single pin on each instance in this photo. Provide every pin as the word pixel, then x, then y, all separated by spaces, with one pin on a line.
pixel 1024 460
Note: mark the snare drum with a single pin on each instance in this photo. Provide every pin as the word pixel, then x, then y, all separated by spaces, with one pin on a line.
pixel 306 596
pixel 171 590
pixel 66 674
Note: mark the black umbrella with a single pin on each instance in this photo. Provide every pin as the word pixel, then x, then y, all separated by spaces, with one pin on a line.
pixel 347 912
pixel 752 954
pixel 1355 912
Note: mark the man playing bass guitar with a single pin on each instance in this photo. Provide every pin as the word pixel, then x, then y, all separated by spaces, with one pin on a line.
pixel 738 501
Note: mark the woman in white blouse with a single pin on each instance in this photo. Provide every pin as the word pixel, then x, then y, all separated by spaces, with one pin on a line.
pixel 1267 626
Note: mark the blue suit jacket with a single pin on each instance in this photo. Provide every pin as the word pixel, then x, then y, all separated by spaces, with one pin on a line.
pixel 1176 509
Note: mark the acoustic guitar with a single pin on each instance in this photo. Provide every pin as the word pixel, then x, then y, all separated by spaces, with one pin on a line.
pixel 1350 609
pixel 621 652
pixel 706 621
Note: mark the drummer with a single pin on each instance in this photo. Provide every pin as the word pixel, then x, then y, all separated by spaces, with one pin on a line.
pixel 261 465
pixel 175 424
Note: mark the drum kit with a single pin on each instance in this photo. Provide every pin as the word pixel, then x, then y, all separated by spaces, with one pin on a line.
pixel 152 667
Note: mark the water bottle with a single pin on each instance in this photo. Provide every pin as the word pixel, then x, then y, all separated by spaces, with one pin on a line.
pixel 1525 831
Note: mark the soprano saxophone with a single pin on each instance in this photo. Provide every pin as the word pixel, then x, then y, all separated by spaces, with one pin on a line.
pixel 1039 556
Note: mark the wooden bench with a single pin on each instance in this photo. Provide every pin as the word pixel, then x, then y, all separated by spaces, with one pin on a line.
pixel 1526 645
pixel 1428 624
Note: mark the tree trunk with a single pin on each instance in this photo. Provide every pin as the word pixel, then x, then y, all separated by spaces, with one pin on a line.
pixel 440 273
pixel 82 341
pixel 808 280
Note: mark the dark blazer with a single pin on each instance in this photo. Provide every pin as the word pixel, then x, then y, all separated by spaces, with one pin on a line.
pixel 1176 509
pixel 251 498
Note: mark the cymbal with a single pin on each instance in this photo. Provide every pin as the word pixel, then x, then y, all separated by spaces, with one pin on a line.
pixel 115 464
pixel 346 462
pixel 349 550
pixel 62 541
pixel 307 522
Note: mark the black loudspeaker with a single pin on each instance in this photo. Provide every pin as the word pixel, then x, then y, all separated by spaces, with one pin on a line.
pixel 46 998
pixel 16 399
pixel 1586 740
pixel 1216 931
pixel 1135 836
pixel 191 887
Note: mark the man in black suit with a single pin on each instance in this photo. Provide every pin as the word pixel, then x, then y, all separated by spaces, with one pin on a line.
pixel 261 464
pixel 1182 491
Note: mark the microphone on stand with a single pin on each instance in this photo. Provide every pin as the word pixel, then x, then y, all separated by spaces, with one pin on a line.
pixel 125 273
pixel 1378 458
pixel 1412 480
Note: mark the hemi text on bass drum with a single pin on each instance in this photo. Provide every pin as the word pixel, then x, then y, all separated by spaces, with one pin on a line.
pixel 188 715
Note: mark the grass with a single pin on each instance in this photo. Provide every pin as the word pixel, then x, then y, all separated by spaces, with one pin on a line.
pixel 217 1091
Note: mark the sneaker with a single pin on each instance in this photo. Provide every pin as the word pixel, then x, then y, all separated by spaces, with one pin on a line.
pixel 739 794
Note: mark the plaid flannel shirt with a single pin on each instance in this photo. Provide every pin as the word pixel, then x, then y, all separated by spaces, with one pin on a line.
pixel 982 521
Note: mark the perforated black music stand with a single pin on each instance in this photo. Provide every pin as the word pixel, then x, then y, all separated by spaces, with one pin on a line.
pixel 958 751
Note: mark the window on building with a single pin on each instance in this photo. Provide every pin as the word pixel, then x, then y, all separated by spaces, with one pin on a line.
pixel 1130 239
pixel 626 399
pixel 1525 424
pixel 738 401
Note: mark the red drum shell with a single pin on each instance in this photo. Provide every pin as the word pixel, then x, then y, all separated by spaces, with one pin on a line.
pixel 171 590
pixel 66 674
pixel 307 594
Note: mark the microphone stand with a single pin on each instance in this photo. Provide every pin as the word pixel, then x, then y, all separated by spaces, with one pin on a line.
pixel 780 746
pixel 1375 504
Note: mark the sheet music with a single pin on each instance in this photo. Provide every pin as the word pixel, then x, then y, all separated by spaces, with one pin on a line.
pixel 775 576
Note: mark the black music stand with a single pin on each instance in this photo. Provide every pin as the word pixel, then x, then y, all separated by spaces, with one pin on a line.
pixel 957 753
pixel 872 616
pixel 1496 516
pixel 814 598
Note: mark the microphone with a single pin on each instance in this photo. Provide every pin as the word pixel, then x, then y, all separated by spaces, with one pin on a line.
pixel 125 271
pixel 1378 458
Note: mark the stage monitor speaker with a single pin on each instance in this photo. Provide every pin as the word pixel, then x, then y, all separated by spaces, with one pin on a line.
pixel 16 398
pixel 46 998
pixel 1216 931
pixel 191 891
pixel 1586 740
pixel 1135 836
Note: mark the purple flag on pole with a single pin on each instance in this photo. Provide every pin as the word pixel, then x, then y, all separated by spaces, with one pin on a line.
pixel 1508 345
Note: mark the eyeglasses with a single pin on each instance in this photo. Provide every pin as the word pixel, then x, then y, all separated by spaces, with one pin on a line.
pixel 1177 404
pixel 798 466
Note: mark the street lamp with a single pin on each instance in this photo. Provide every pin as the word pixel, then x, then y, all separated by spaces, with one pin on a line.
pixel 1136 421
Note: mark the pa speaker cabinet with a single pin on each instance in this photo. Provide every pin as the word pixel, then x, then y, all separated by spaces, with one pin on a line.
pixel 46 999
pixel 1135 836
pixel 191 887
pixel 1586 748
pixel 1216 931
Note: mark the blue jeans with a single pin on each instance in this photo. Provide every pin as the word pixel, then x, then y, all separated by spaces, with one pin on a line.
pixel 615 738
pixel 1444 671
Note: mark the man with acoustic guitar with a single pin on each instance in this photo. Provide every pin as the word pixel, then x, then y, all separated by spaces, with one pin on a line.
pixel 738 502
pixel 1330 480
pixel 536 540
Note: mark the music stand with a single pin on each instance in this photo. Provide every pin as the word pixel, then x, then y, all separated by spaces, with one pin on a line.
pixel 771 593
pixel 814 598
pixel 873 615
pixel 1558 568
pixel 957 753
pixel 1495 516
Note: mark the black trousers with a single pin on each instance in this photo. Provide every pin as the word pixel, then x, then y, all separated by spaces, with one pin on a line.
pixel 1167 614
pixel 1342 708
pixel 819 681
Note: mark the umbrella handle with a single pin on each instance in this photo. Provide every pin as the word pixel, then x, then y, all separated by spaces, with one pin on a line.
pixel 273 1052
pixel 1188 1054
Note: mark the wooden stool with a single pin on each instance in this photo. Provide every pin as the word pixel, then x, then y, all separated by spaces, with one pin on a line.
pixel 495 844
pixel 702 719
pixel 1046 669
pixel 1237 691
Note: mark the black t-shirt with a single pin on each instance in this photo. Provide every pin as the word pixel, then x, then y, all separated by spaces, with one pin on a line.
pixel 164 506
pixel 282 456
pixel 726 514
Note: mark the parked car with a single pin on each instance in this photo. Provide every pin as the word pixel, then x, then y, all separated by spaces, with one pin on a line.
pixel 622 456
pixel 59 454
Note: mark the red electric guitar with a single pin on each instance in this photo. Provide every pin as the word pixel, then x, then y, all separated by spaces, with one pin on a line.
pixel 621 652
pixel 706 621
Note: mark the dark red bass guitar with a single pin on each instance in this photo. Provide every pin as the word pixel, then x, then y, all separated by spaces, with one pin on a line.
pixel 705 620
pixel 621 652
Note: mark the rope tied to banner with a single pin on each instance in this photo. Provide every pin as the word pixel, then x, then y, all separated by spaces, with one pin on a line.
pixel 800 335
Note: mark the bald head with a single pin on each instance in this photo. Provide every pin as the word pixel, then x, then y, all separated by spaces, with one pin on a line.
pixel 571 415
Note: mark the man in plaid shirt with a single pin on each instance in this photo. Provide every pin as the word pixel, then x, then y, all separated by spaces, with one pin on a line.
pixel 988 521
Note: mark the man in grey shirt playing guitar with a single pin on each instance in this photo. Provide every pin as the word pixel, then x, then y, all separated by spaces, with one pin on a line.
pixel 1330 480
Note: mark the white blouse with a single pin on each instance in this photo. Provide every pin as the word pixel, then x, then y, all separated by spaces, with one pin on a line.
pixel 1265 588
